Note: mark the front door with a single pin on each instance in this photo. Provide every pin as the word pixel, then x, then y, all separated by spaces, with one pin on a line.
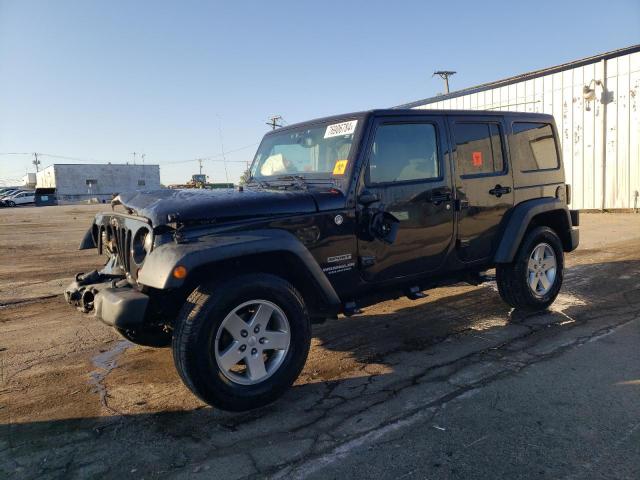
pixel 484 184
pixel 407 170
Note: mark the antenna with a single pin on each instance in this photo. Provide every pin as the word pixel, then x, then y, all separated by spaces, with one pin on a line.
pixel 273 123
pixel 444 75
pixel 134 157
pixel 224 158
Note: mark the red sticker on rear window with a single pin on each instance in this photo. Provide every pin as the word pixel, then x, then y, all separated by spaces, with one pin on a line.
pixel 477 159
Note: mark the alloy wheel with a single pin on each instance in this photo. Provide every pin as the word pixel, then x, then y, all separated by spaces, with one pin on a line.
pixel 542 269
pixel 252 342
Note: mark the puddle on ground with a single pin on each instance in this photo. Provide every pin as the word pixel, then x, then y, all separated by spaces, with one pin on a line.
pixel 105 362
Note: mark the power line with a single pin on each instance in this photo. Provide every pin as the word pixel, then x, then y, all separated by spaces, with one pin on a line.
pixel 174 162
pixel 214 157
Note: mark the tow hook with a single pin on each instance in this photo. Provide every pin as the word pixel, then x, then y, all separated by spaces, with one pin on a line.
pixel 82 292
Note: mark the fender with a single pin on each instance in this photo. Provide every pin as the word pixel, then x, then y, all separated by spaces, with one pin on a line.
pixel 518 222
pixel 88 241
pixel 159 265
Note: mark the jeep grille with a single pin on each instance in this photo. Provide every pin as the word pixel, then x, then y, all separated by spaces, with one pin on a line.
pixel 119 231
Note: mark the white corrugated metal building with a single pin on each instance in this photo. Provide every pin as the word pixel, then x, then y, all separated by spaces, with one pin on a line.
pixel 596 108
pixel 75 182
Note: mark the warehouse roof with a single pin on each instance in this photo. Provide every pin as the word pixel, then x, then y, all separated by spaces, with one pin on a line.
pixel 100 165
pixel 103 164
pixel 525 76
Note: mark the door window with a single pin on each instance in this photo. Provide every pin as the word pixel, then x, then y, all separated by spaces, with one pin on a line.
pixel 404 152
pixel 479 149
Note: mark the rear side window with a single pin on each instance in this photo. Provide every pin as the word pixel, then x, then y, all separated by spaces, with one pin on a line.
pixel 404 152
pixel 535 146
pixel 479 148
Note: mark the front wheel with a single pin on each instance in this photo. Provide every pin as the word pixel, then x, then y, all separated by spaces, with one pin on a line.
pixel 11 203
pixel 240 344
pixel 533 280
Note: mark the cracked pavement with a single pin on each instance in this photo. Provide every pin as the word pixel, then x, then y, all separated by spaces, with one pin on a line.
pixel 451 386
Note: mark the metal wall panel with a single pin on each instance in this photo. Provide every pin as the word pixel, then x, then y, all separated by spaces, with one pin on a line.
pixel 71 179
pixel 609 125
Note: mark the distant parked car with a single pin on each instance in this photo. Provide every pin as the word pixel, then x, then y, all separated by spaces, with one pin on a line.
pixel 6 191
pixel 6 194
pixel 20 198
pixel 9 192
pixel 45 196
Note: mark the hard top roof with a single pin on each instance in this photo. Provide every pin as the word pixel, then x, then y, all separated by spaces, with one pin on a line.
pixel 399 112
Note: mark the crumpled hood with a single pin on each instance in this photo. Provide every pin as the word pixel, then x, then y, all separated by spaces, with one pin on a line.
pixel 216 206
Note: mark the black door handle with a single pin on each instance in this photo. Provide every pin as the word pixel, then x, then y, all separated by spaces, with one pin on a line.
pixel 499 190
pixel 438 197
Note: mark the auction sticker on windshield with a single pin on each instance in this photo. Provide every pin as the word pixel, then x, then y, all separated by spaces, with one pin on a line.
pixel 338 129
pixel 340 167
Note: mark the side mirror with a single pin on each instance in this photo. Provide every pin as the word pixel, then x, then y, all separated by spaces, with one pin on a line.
pixel 366 198
pixel 384 226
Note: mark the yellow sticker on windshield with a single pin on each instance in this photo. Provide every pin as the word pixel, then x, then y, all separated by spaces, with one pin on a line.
pixel 340 167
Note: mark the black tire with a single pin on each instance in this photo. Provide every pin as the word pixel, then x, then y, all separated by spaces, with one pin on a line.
pixel 11 203
pixel 512 278
pixel 151 337
pixel 195 332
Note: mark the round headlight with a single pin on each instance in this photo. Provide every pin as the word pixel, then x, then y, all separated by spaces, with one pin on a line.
pixel 141 245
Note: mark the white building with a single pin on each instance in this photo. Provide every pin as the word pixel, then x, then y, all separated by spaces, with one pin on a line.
pixel 29 180
pixel 596 107
pixel 76 182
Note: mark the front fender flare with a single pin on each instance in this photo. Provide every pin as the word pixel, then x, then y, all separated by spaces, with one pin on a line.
pixel 158 267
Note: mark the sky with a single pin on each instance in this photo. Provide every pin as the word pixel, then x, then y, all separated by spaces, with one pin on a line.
pixel 94 81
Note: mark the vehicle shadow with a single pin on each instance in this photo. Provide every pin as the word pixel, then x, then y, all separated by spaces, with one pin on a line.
pixel 399 338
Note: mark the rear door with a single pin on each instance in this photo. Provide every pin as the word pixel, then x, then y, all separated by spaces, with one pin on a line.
pixel 407 171
pixel 484 183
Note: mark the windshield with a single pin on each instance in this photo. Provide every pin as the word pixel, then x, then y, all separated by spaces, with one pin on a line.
pixel 320 150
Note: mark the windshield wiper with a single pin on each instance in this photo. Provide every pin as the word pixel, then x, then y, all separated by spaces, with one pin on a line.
pixel 260 183
pixel 299 180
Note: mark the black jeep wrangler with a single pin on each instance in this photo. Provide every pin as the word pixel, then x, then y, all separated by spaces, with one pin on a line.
pixel 338 213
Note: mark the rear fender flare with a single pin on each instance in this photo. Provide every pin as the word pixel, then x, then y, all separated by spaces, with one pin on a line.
pixel 518 222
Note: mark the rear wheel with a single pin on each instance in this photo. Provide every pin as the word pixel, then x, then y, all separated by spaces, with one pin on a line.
pixel 533 280
pixel 240 344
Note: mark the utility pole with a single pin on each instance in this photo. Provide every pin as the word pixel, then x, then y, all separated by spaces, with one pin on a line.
pixel 134 157
pixel 274 121
pixel 36 162
pixel 142 156
pixel 444 75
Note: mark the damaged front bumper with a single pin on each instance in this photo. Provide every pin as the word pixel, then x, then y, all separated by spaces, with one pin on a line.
pixel 111 299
